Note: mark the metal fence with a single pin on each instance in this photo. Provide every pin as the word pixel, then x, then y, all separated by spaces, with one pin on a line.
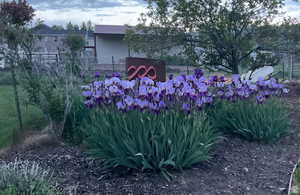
pixel 289 67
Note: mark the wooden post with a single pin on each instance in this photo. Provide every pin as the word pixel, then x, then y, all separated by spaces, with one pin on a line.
pixel 113 63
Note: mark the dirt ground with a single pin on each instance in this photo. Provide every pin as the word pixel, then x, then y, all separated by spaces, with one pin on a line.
pixel 237 167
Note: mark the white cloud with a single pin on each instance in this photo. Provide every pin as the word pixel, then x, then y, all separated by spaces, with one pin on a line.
pixel 115 12
pixel 114 15
pixel 292 8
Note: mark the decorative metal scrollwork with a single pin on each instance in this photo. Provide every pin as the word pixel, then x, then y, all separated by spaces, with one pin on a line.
pixel 141 71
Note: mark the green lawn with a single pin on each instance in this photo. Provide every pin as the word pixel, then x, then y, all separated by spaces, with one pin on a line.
pixel 32 116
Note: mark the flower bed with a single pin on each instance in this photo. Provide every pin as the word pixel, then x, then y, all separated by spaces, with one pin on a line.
pixel 143 124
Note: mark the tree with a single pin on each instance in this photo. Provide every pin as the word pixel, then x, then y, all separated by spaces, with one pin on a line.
pixel 13 17
pixel 75 43
pixel 90 26
pixel 153 41
pixel 76 27
pixel 58 27
pixel 225 31
pixel 83 27
pixel 70 26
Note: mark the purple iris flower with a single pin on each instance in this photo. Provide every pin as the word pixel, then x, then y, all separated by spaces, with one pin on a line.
pixel 213 79
pixel 229 93
pixel 186 107
pixel 147 81
pixel 241 92
pixel 87 93
pixel 236 78
pixel 285 90
pixel 143 90
pixel 207 99
pixel 202 79
pixel 260 99
pixel 89 103
pixel 220 93
pixel 142 104
pixel 188 90
pixel 116 74
pixel 190 78
pixel 153 107
pixel 129 101
pixel 198 73
pixel 98 84
pixel 98 94
pixel 253 87
pixel 202 87
pixel 152 90
pixel 199 102
pixel 171 76
pixel 86 87
pixel 113 89
pixel 162 104
pixel 127 84
pixel 178 81
pixel 222 79
pixel 170 91
pixel 97 75
pixel 112 81
pixel 120 105
pixel 220 84
pixel 261 82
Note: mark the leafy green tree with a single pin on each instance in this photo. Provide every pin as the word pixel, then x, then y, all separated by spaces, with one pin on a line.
pixel 225 30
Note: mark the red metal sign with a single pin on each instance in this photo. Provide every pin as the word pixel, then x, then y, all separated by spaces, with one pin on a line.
pixel 143 67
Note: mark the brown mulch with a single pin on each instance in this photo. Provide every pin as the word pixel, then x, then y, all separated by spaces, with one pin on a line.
pixel 237 167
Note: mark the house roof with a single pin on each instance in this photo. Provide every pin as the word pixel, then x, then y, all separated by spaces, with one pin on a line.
pixel 111 29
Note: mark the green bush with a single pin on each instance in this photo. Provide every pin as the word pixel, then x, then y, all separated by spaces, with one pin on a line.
pixel 24 178
pixel 265 122
pixel 140 140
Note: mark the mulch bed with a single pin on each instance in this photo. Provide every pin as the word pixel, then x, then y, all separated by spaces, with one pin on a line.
pixel 237 167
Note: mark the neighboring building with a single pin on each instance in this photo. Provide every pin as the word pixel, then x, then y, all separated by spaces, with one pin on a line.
pixel 111 46
pixel 52 41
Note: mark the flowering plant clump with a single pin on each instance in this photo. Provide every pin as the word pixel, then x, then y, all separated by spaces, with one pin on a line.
pixel 143 124
pixel 185 92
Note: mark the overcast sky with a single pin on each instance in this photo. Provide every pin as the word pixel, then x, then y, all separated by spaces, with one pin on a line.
pixel 116 12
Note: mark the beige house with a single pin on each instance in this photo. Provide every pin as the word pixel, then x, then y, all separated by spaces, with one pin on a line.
pixel 111 48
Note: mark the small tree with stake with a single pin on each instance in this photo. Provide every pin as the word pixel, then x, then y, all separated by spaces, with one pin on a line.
pixel 13 17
